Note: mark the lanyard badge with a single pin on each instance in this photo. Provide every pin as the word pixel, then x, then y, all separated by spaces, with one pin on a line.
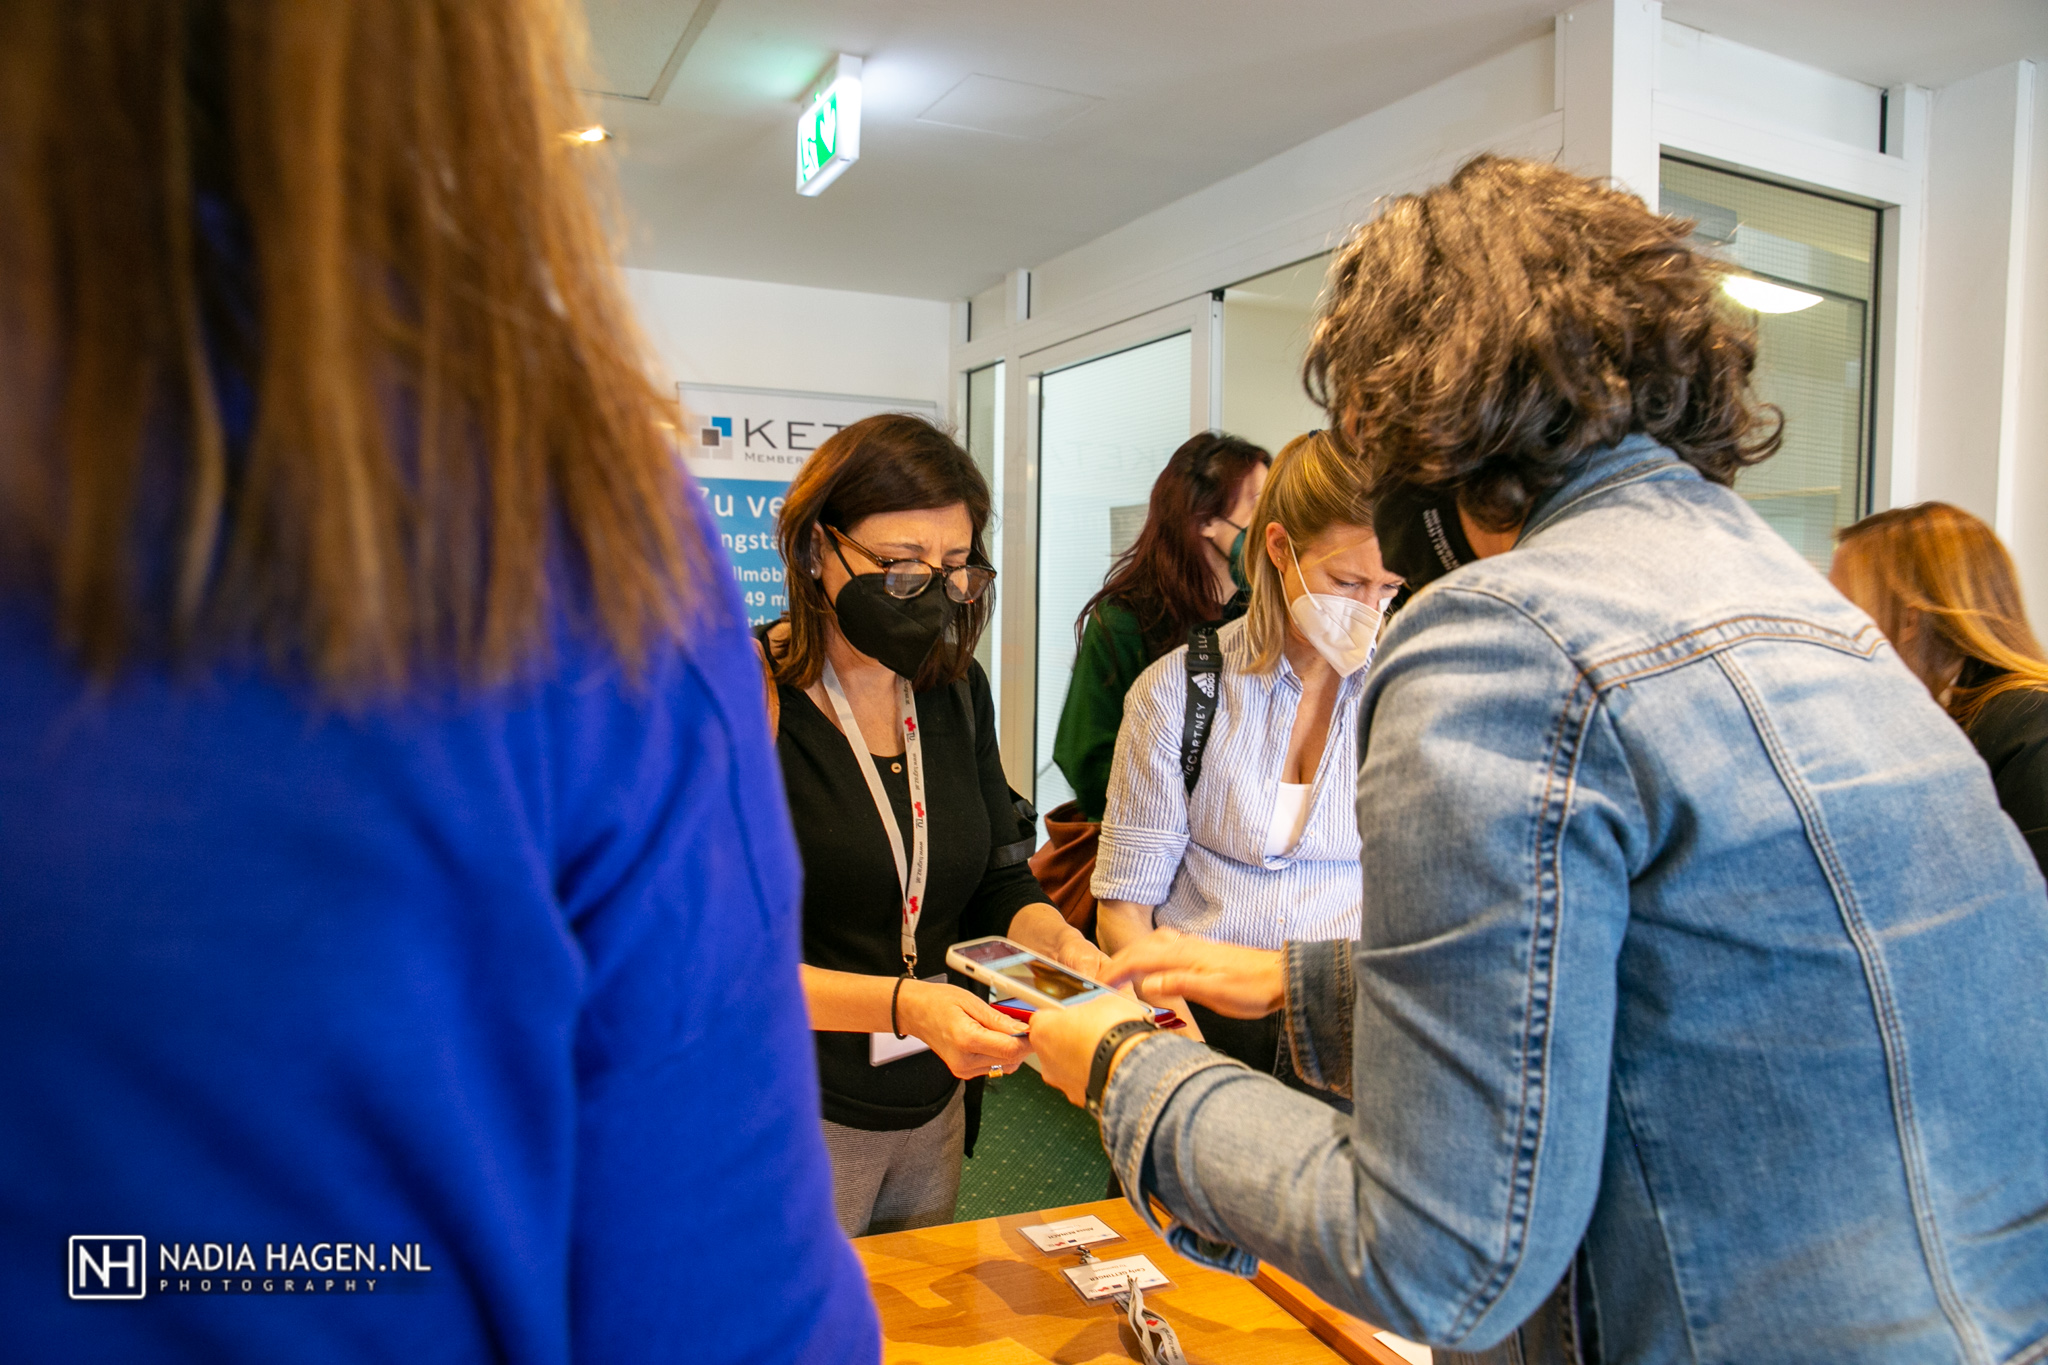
pixel 911 870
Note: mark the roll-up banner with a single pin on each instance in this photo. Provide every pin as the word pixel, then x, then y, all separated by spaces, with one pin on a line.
pixel 743 446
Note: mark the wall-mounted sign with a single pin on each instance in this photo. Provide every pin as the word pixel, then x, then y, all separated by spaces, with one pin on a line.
pixel 828 130
pixel 743 446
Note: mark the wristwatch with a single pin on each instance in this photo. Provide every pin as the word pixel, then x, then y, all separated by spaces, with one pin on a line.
pixel 1105 1050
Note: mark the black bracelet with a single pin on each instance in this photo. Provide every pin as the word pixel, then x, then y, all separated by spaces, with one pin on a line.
pixel 1105 1050
pixel 893 1026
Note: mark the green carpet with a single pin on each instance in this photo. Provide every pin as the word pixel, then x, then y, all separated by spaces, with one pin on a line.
pixel 1036 1151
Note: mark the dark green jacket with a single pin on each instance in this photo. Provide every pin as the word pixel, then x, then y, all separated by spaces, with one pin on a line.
pixel 1114 651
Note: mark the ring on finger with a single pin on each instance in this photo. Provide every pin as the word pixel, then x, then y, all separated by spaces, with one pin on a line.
pixel 995 1070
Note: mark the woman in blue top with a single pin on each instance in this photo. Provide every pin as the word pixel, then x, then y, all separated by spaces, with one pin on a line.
pixel 399 910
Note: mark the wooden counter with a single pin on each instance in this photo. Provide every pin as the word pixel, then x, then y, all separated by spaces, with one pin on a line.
pixel 980 1292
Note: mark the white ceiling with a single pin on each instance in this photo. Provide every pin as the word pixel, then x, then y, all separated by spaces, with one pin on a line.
pixel 1046 123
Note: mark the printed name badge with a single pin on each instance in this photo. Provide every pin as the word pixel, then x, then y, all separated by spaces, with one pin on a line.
pixel 1099 1280
pixel 1071 1232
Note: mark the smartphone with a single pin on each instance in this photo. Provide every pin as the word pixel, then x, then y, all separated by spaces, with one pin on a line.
pixel 1015 970
pixel 1022 1010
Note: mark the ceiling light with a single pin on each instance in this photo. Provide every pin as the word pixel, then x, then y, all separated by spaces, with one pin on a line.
pixel 828 130
pixel 1762 296
pixel 594 133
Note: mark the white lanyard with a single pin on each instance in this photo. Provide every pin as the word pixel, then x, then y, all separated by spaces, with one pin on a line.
pixel 911 872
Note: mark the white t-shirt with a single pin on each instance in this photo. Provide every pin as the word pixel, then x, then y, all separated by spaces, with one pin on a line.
pixel 1290 818
pixel 1205 861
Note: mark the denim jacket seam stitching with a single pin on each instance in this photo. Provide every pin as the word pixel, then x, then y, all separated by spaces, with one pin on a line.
pixel 1652 669
pixel 1345 991
pixel 1156 1099
pixel 1663 1230
pixel 2032 1353
pixel 1566 744
pixel 1150 1111
pixel 1307 1057
pixel 1479 590
pixel 1306 1044
pixel 1823 635
pixel 1878 981
pixel 1634 472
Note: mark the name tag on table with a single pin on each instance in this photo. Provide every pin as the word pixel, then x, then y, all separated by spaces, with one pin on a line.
pixel 884 1048
pixel 1071 1232
pixel 1099 1280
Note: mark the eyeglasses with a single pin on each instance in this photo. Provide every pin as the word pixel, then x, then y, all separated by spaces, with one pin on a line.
pixel 906 578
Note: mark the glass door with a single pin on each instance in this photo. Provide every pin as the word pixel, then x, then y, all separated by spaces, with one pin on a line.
pixel 1267 321
pixel 985 448
pixel 1105 429
pixel 1807 270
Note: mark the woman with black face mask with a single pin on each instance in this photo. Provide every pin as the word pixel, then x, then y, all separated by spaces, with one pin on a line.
pixel 910 842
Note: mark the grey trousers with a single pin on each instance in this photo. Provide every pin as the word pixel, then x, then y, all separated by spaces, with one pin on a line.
pixel 910 1178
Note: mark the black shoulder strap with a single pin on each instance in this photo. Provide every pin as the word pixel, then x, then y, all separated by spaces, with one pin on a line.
pixel 1205 675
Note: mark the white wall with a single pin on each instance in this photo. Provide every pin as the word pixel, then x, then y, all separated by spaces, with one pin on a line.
pixel 1712 73
pixel 2030 472
pixel 705 329
pixel 1303 200
pixel 1977 210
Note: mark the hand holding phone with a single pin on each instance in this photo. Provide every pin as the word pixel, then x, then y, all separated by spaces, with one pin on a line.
pixel 1014 970
pixel 1023 1010
pixel 968 1034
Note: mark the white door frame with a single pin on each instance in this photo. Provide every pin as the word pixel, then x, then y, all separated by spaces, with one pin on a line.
pixel 1201 318
pixel 1894 182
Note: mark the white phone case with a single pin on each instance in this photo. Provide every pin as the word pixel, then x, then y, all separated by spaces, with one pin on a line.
pixel 1010 986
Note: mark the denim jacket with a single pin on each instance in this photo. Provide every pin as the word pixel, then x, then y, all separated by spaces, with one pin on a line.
pixel 1702 993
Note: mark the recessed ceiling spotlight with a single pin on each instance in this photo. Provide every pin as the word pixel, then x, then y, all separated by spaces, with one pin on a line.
pixel 596 132
pixel 1762 296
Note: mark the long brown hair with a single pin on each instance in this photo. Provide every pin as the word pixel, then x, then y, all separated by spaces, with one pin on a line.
pixel 1944 569
pixel 313 343
pixel 1164 579
pixel 891 462
pixel 1487 332
pixel 1313 487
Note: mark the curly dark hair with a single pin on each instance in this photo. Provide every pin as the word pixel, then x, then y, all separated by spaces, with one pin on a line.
pixel 1485 333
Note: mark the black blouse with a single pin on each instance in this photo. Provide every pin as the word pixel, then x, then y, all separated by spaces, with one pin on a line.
pixel 2011 734
pixel 852 904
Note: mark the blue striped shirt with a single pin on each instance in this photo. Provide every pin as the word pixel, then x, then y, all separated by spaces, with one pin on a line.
pixel 1200 858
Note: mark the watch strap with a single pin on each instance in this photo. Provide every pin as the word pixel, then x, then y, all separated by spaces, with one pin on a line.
pixel 1105 1051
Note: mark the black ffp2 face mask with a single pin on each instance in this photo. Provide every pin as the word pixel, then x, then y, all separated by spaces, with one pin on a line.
pixel 1420 535
pixel 898 633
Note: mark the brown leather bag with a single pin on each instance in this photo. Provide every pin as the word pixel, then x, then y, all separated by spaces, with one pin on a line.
pixel 1065 865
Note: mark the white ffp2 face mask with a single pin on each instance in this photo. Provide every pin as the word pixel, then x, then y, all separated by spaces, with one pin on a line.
pixel 1341 630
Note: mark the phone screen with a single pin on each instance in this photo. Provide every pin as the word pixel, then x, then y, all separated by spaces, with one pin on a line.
pixel 1029 970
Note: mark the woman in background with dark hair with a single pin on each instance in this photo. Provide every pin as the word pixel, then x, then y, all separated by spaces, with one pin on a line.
pixel 910 843
pixel 379 849
pixel 1945 593
pixel 1185 569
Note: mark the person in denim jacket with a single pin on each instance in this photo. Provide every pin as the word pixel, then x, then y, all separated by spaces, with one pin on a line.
pixel 1700 1003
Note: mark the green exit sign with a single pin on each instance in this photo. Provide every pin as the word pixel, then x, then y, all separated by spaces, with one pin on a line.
pixel 828 130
